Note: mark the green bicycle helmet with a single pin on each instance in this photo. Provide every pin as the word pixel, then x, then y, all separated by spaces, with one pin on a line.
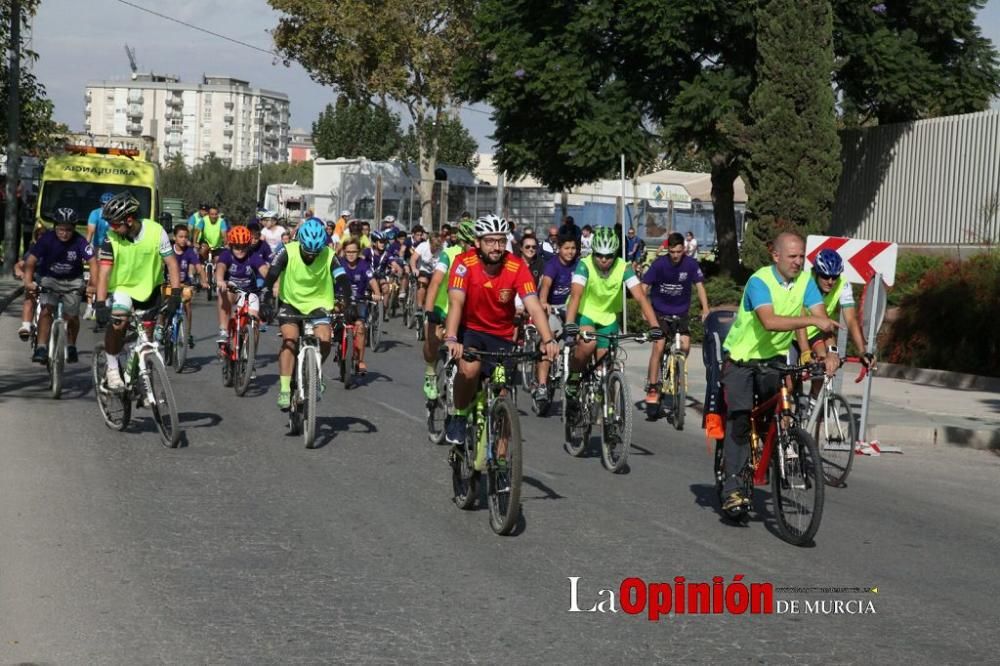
pixel 605 241
pixel 466 231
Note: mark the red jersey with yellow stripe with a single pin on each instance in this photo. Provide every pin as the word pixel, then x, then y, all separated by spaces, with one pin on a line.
pixel 489 300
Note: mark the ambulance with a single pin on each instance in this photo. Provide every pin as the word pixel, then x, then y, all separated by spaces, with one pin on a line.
pixel 78 179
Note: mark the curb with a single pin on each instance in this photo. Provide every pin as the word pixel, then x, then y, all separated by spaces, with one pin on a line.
pixel 942 378
pixel 892 434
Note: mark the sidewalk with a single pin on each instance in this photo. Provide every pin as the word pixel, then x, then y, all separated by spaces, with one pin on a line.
pixel 902 412
pixel 10 291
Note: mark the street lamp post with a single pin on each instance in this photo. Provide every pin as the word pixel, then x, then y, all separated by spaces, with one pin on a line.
pixel 261 112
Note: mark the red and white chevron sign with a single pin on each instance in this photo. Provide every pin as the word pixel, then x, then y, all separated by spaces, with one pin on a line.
pixel 862 258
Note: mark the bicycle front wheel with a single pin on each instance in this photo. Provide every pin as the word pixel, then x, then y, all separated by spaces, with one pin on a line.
pixel 797 487
pixel 347 371
pixel 116 408
pixel 245 359
pixel 680 390
pixel 616 434
pixel 504 481
pixel 57 359
pixel 310 386
pixel 576 424
pixel 182 331
pixel 437 409
pixel 835 435
pixel 163 405
pixel 375 327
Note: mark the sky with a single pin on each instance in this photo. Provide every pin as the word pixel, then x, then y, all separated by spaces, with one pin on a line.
pixel 84 40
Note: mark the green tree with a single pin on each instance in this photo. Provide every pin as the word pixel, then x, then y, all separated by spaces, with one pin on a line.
pixel 399 50
pixel 455 145
pixel 356 129
pixel 39 134
pixel 900 61
pixel 793 164
pixel 574 85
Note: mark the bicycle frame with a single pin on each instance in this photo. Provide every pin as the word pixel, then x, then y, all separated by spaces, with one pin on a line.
pixel 308 344
pixel 779 409
pixel 238 318
pixel 144 345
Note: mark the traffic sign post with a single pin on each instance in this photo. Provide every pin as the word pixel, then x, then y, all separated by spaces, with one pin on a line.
pixel 873 264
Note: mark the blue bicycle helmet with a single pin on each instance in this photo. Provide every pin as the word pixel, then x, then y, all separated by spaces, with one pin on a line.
pixel 389 234
pixel 106 197
pixel 376 236
pixel 312 236
pixel 828 263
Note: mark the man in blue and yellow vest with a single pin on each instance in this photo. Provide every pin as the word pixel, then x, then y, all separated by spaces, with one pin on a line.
pixel 131 271
pixel 309 271
pixel 769 314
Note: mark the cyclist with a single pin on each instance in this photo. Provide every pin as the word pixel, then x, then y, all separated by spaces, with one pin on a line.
pixel 837 295
pixel 596 299
pixel 635 250
pixel 557 278
pixel 531 256
pixel 97 226
pixel 401 249
pixel 240 267
pixel 210 233
pixel 422 262
pixel 30 297
pixel 769 313
pixel 668 285
pixel 63 252
pixel 379 260
pixel 482 285
pixel 197 218
pixel 189 266
pixel 436 302
pixel 309 271
pixel 362 281
pixel 257 246
pixel 130 271
pixel 272 231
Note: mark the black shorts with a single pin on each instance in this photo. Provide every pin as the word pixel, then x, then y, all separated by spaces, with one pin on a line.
pixel 486 343
pixel 812 341
pixel 290 315
pixel 683 325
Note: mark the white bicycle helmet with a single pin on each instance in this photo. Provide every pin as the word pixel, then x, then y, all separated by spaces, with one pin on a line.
pixel 490 224
pixel 605 241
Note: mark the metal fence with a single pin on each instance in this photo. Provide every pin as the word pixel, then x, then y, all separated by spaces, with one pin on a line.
pixel 929 182
pixel 529 207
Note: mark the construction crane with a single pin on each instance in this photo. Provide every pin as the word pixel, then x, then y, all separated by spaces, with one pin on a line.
pixel 130 51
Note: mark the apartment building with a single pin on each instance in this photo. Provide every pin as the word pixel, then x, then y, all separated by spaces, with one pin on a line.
pixel 221 116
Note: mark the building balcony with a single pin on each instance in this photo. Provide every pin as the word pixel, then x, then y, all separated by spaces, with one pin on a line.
pixel 134 128
pixel 228 131
pixel 88 95
pixel 175 102
pixel 135 97
pixel 134 111
pixel 228 147
pixel 229 105
pixel 228 117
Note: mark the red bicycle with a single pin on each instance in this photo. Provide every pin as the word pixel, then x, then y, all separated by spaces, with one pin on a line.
pixel 343 327
pixel 787 454
pixel 239 351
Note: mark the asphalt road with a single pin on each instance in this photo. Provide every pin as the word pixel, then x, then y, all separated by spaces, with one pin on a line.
pixel 244 547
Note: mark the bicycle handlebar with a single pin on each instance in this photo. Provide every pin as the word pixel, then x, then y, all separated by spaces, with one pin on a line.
pixel 475 354
pixel 590 336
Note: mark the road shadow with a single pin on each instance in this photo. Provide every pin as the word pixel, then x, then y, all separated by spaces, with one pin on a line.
pixel 387 345
pixel 260 385
pixel 199 419
pixel 370 377
pixel 548 493
pixel 328 427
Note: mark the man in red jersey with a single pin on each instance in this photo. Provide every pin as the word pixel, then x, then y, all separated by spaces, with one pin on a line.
pixel 481 289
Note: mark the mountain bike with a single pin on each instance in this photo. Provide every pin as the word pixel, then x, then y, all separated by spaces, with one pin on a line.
pixel 343 341
pixel 55 364
pixel 175 337
pixel 210 269
pixel 673 376
pixel 784 455
pixel 307 378
pixel 492 445
pixel 146 381
pixel 374 324
pixel 557 370
pixel 439 408
pixel 601 398
pixel 239 352
pixel 830 420
pixel 390 293
pixel 409 307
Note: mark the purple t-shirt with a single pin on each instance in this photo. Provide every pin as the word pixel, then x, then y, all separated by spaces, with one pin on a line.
pixel 185 260
pixel 242 274
pixel 358 277
pixel 379 262
pixel 562 279
pixel 264 251
pixel 62 261
pixel 670 285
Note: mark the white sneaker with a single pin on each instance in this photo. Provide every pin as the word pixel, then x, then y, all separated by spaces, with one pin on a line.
pixel 25 331
pixel 791 453
pixel 223 336
pixel 114 380
pixel 89 312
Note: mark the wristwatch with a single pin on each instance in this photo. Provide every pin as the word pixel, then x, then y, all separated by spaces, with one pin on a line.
pixel 831 349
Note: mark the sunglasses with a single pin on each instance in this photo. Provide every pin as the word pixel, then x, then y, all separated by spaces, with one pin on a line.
pixel 529 247
pixel 826 277
pixel 606 257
